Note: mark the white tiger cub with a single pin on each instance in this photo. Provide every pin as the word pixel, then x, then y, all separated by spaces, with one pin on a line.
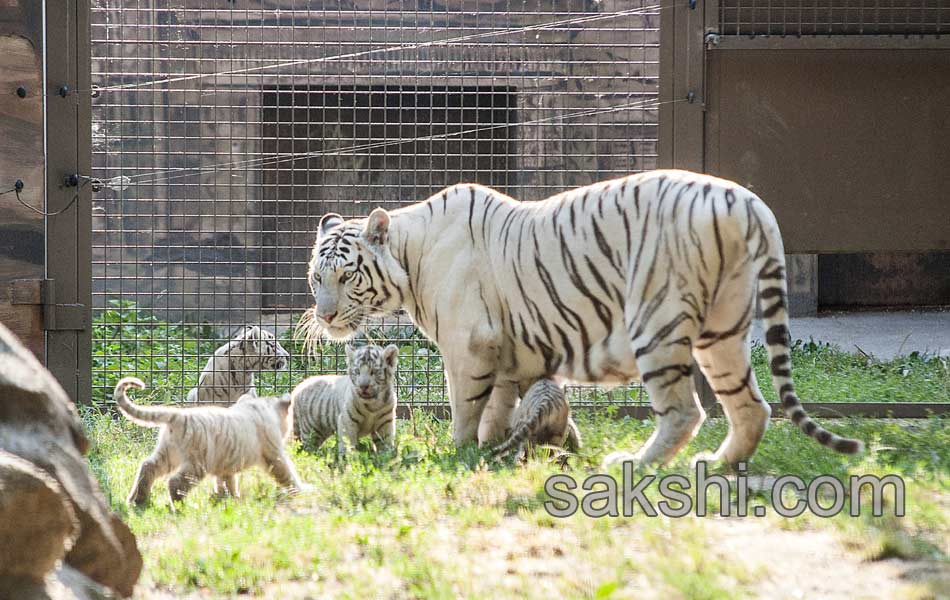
pixel 543 417
pixel 360 403
pixel 211 440
pixel 229 373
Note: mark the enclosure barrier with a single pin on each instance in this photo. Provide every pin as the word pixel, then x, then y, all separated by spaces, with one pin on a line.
pixel 223 131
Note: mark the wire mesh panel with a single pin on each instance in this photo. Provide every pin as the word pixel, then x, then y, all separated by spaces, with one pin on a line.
pixel 226 128
pixel 834 17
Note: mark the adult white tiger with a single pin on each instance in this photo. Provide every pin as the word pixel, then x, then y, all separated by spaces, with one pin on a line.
pixel 624 279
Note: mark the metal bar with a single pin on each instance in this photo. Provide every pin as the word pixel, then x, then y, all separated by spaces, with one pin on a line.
pixel 826 410
pixel 725 43
pixel 68 152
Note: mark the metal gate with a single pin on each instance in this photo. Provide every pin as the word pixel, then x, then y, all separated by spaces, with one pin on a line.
pixel 224 130
pixel 812 105
pixel 44 236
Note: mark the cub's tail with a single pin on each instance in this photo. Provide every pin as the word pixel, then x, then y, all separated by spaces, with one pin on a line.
pixel 772 301
pixel 148 416
pixel 515 442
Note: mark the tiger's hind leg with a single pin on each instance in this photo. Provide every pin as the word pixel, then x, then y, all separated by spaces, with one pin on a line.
pixel 185 478
pixel 665 365
pixel 723 354
pixel 727 366
pixel 572 440
pixel 226 486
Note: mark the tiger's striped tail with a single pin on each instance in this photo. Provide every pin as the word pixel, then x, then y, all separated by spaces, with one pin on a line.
pixel 148 416
pixel 772 302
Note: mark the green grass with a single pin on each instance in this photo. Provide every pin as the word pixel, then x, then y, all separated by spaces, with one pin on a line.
pixel 431 521
pixel 824 373
pixel 132 341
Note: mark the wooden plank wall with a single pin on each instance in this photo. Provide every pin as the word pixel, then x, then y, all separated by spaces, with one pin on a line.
pixel 22 243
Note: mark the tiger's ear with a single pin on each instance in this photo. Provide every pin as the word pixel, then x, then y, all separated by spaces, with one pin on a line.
pixel 328 222
pixel 377 227
pixel 250 333
pixel 391 355
pixel 348 349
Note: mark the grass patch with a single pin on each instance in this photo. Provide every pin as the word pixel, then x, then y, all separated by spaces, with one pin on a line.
pixel 433 521
pixel 132 341
pixel 430 521
pixel 824 373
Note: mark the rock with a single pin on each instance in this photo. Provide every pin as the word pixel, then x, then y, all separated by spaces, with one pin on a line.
pixel 40 425
pixel 65 583
pixel 37 522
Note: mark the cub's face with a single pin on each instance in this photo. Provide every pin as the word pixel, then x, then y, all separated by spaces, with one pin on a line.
pixel 261 343
pixel 352 273
pixel 371 368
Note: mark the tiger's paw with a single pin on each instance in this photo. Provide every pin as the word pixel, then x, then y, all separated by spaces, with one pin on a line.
pixel 710 458
pixel 618 458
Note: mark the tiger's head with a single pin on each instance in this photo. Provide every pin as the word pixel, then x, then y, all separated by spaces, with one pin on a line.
pixel 261 347
pixel 353 275
pixel 371 368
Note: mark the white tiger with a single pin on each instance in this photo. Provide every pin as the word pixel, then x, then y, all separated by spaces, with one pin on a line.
pixel 360 403
pixel 229 372
pixel 210 440
pixel 542 417
pixel 626 279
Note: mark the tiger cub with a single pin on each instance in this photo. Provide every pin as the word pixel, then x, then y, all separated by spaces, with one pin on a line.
pixel 210 440
pixel 542 417
pixel 229 373
pixel 360 403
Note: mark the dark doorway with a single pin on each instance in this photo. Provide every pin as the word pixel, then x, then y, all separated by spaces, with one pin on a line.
pixel 349 150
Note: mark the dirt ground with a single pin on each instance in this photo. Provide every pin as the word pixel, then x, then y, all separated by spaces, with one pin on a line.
pixel 787 564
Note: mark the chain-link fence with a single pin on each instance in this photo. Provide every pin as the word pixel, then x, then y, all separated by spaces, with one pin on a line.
pixel 224 129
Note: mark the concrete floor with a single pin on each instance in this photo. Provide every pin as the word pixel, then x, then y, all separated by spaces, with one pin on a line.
pixel 883 335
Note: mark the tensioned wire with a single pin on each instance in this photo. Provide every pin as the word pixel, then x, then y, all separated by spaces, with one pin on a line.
pixel 170 174
pixel 147 85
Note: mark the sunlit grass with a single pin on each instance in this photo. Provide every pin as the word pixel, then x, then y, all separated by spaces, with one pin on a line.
pixel 430 521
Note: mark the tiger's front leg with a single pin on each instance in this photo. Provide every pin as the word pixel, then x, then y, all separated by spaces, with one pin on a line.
pixel 496 417
pixel 468 396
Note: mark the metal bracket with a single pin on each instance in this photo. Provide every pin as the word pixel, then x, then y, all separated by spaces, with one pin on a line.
pixel 712 40
pixel 42 292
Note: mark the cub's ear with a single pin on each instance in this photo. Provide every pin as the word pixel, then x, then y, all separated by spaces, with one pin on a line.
pixel 391 355
pixel 329 221
pixel 251 340
pixel 348 349
pixel 377 227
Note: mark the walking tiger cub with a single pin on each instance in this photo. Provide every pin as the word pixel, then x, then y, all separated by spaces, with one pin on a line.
pixel 360 403
pixel 229 373
pixel 542 417
pixel 210 440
